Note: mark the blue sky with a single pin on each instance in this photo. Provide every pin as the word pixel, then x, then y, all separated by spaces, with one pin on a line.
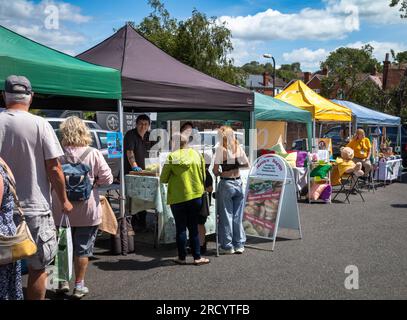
pixel 304 31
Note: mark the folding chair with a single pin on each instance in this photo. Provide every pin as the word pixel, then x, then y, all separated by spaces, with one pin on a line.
pixel 349 185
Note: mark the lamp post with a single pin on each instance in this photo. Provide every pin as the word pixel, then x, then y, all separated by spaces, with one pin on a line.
pixel 269 56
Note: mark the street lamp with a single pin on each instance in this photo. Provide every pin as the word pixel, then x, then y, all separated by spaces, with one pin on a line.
pixel 269 56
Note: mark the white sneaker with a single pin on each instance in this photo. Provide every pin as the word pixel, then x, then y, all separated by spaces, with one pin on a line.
pixel 240 250
pixel 79 293
pixel 228 251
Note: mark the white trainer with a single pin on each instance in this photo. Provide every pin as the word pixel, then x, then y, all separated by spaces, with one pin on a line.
pixel 240 250
pixel 226 251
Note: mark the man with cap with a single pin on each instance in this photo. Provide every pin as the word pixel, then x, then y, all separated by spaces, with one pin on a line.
pixel 30 147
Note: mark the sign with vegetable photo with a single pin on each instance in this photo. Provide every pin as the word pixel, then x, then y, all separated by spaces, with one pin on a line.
pixel 261 210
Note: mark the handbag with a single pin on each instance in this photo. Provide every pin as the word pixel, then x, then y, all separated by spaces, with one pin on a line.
pixel 204 212
pixel 21 245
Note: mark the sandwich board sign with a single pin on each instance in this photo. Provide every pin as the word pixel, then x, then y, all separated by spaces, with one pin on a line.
pixel 271 199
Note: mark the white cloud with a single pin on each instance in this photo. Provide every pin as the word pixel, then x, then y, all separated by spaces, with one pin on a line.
pixel 245 51
pixel 375 11
pixel 337 19
pixel 380 48
pixel 309 59
pixel 332 22
pixel 29 19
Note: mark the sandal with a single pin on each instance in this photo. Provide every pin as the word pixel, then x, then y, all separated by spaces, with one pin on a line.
pixel 181 262
pixel 201 261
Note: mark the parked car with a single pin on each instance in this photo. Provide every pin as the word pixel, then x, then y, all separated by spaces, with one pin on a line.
pixel 56 122
pixel 99 141
pixel 337 140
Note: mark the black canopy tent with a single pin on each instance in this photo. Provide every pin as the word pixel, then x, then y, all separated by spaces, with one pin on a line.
pixel 154 81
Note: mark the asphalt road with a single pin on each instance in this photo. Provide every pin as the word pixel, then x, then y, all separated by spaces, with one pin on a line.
pixel 371 236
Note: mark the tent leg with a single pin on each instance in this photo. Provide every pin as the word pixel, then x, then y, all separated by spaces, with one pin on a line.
pixel 252 138
pixel 314 136
pixel 350 130
pixel 122 184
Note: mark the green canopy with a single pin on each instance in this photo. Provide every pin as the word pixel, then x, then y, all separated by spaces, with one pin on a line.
pixel 54 73
pixel 270 109
pixel 267 108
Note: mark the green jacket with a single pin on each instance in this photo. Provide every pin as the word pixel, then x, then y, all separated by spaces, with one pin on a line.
pixel 184 171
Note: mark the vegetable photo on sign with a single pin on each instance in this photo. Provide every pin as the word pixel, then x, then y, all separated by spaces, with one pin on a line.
pixel 260 213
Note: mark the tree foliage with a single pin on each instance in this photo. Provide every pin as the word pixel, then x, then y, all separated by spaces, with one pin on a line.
pixel 287 72
pixel 346 67
pixel 199 41
pixel 403 6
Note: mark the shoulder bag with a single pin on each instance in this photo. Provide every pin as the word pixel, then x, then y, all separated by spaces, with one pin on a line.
pixel 21 245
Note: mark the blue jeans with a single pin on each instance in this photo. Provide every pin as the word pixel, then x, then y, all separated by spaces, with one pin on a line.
pixel 186 216
pixel 230 200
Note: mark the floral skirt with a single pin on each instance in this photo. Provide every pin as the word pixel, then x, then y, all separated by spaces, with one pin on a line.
pixel 10 282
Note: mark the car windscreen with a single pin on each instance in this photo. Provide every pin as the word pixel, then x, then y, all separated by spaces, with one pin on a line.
pixel 103 139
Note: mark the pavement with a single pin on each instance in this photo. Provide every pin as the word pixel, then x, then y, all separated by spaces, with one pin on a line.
pixel 371 236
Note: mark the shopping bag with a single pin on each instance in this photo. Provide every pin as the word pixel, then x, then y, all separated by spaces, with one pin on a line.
pixel 109 221
pixel 64 257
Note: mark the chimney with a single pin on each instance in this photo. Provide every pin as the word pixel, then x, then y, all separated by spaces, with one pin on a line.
pixel 386 67
pixel 307 77
pixel 266 79
pixel 325 71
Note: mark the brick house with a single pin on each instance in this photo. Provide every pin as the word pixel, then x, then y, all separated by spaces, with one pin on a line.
pixel 264 83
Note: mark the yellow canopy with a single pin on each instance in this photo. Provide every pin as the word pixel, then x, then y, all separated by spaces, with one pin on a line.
pixel 300 95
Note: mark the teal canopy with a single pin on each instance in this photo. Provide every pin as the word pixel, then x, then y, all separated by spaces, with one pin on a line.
pixel 270 109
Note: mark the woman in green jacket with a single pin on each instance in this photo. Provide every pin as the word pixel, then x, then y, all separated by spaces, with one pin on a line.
pixel 184 171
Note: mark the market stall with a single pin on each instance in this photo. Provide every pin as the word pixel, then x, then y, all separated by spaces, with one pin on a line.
pixel 59 81
pixel 270 109
pixel 323 111
pixel 388 163
pixel 153 81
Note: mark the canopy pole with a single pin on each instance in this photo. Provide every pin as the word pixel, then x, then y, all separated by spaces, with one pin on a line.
pixel 399 138
pixel 314 136
pixel 122 183
pixel 252 137
pixel 350 130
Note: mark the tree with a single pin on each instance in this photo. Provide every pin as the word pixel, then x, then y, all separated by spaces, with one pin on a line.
pixel 199 41
pixel 403 6
pixel 347 67
pixel 400 57
pixel 287 72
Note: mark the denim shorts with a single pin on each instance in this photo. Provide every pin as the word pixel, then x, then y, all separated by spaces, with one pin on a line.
pixel 83 239
pixel 44 233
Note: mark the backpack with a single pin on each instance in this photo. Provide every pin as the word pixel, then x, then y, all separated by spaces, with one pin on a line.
pixel 77 181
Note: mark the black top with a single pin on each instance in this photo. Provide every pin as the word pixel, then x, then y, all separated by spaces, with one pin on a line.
pixel 140 147
pixel 232 164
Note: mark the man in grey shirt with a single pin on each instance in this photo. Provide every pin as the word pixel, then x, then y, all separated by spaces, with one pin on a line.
pixel 30 147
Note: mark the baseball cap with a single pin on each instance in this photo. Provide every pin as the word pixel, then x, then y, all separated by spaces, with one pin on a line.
pixel 17 84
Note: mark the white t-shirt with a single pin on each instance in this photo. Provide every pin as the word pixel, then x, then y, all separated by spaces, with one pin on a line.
pixel 26 141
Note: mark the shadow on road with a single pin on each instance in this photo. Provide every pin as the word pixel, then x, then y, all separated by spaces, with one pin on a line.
pixel 399 206
pixel 133 264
